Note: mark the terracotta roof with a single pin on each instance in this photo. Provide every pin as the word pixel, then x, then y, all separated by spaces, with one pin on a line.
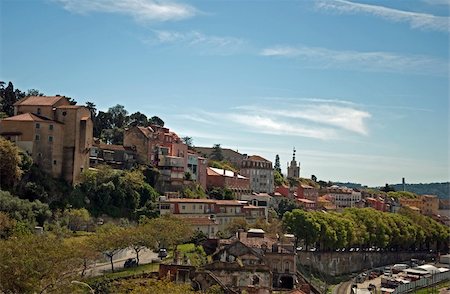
pixel 40 100
pixel 189 200
pixel 147 131
pixel 257 158
pixel 228 202
pixel 305 200
pixel 199 221
pixel 30 117
pixel 253 207
pixel 70 106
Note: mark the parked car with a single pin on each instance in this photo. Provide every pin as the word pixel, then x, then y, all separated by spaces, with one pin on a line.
pixel 130 262
pixel 162 253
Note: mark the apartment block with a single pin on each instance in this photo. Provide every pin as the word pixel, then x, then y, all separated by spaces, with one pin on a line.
pixel 260 172
pixel 56 134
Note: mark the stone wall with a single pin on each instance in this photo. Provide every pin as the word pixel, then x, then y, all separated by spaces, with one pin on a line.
pixel 340 263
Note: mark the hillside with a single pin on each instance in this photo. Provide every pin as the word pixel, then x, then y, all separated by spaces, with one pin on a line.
pixel 442 190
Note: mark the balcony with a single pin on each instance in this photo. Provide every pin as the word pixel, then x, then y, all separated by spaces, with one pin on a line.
pixel 170 161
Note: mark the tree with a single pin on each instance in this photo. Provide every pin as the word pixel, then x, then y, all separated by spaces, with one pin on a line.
pixel 236 225
pixel 34 92
pixel 302 225
pixel 103 121
pixel 179 231
pixel 216 153
pixel 139 238
pixel 7 225
pixel 277 165
pixel 138 119
pixel 8 99
pixel 278 178
pixel 109 240
pixel 149 286
pixel 10 162
pixel 92 109
pixel 40 264
pixel 286 205
pixel 154 120
pixel 387 188
pixel 188 141
pixel 78 219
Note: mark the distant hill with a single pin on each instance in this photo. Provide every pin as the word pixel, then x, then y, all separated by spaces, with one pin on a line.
pixel 442 190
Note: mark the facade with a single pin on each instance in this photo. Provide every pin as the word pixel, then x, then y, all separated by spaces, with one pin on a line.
pixel 293 168
pixel 426 204
pixel 260 200
pixel 158 146
pixel 56 134
pixel 376 203
pixel 222 212
pixel 260 173
pixel 221 178
pixel 117 156
pixel 306 204
pixel 343 197
pixel 307 192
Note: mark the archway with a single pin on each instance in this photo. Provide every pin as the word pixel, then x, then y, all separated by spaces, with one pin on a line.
pixel 286 282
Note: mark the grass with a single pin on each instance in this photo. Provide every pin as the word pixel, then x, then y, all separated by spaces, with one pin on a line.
pixel 431 289
pixel 128 272
pixel 196 255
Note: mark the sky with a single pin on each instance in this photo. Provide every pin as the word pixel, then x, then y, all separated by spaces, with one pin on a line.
pixel 359 88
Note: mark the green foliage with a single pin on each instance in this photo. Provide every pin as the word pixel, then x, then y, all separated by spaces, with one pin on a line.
pixel 194 191
pixel 7 225
pixel 114 192
pixel 402 194
pixel 10 164
pixel 286 205
pixel 37 264
pixel 216 153
pixel 277 166
pixel 223 164
pixel 235 225
pixel 366 228
pixel 221 193
pixel 29 212
pixel 278 178
pixel 442 190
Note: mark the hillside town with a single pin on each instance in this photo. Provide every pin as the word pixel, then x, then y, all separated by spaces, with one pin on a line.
pixel 252 217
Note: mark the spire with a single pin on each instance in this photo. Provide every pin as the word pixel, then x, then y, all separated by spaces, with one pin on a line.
pixel 293 155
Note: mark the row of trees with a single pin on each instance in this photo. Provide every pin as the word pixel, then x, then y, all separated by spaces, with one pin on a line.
pixel 46 263
pixel 365 228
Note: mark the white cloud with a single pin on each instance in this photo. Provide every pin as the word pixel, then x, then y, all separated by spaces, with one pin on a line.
pixel 140 10
pixel 437 2
pixel 265 125
pixel 366 61
pixel 201 42
pixel 346 118
pixel 417 20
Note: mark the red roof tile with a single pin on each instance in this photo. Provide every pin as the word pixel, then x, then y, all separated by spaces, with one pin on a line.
pixel 30 117
pixel 257 158
pixel 40 100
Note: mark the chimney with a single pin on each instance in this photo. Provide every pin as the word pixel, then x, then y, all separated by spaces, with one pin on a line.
pixel 404 184
pixel 239 232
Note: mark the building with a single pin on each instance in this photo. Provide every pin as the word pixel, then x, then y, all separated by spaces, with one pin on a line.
pixel 376 203
pixel 261 200
pixel 117 156
pixel 55 133
pixel 343 197
pixel 426 204
pixel 222 178
pixel 158 146
pixel 222 212
pixel 307 192
pixel 293 168
pixel 260 173
pixel 306 204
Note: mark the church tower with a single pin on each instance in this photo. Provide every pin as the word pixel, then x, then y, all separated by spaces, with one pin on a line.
pixel 293 168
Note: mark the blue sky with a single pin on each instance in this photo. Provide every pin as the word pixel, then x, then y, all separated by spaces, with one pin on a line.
pixel 360 88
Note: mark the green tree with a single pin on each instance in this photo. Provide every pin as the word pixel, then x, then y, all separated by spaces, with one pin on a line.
pixel 188 141
pixel 78 219
pixel 278 178
pixel 303 225
pixel 40 264
pixel 7 225
pixel 138 119
pixel 235 225
pixel 10 171
pixel 109 240
pixel 140 238
pixel 8 96
pixel 216 153
pixel 277 165
pixel 154 120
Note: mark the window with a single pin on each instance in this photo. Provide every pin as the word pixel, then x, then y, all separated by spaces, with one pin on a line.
pixel 50 139
pixel 193 206
pixel 38 126
pixel 64 113
pixel 50 127
pixel 201 206
pixel 37 137
pixel 38 111
pixel 54 162
pixel 183 207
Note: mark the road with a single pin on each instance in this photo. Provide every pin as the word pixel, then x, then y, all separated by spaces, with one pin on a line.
pixel 343 288
pixel 145 256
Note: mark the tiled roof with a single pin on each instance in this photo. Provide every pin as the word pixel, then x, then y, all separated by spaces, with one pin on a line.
pixel 257 158
pixel 147 131
pixel 199 221
pixel 189 200
pixel 228 202
pixel 305 200
pixel 30 117
pixel 70 106
pixel 39 100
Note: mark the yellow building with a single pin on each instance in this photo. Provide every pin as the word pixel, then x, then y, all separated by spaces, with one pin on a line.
pixel 426 204
pixel 56 134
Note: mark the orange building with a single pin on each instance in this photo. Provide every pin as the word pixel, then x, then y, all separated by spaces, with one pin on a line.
pixel 56 134
pixel 426 204
pixel 221 178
